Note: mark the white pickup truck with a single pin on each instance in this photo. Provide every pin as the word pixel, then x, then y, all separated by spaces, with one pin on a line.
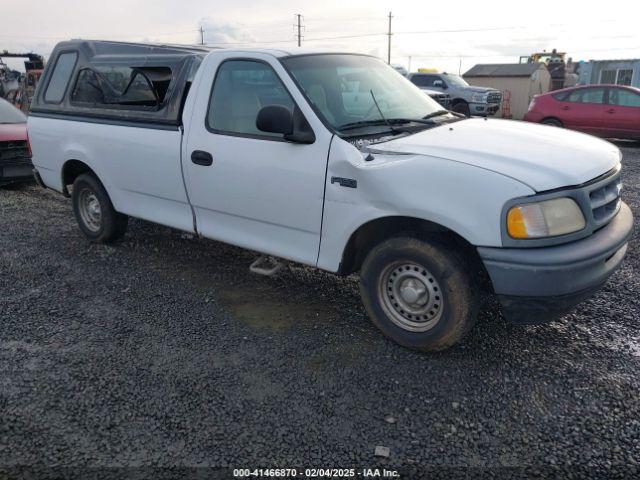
pixel 337 162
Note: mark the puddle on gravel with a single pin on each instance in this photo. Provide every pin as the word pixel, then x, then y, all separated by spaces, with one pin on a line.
pixel 267 309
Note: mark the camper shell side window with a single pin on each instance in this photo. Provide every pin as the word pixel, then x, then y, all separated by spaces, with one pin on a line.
pixel 122 87
pixel 59 81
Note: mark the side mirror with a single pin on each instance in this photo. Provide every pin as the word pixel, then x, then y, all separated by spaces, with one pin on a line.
pixel 275 119
pixel 278 119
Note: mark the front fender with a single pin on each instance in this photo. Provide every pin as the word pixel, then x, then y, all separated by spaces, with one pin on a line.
pixel 463 198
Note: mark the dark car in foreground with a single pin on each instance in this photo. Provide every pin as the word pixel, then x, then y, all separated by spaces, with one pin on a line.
pixel 609 111
pixel 15 153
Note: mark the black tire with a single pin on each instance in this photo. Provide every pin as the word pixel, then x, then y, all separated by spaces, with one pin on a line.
pixel 463 108
pixel 459 301
pixel 106 227
pixel 554 122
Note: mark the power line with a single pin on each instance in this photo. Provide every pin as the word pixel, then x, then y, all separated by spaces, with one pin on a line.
pixel 506 55
pixel 339 37
pixel 461 30
pixel 250 42
pixel 372 34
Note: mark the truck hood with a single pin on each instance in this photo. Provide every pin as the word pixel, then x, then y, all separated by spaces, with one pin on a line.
pixel 474 89
pixel 540 156
pixel 432 92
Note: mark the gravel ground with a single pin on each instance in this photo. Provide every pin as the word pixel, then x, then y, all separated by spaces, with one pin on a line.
pixel 163 350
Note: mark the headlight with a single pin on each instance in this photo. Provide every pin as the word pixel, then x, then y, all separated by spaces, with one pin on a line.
pixel 479 97
pixel 545 219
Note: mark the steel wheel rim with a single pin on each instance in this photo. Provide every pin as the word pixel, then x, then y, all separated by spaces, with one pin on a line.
pixel 90 210
pixel 410 296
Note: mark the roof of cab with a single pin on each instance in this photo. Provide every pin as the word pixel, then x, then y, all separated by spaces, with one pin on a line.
pixel 110 47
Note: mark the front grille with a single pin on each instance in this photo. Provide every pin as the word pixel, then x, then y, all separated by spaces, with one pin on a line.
pixel 14 150
pixel 494 97
pixel 605 201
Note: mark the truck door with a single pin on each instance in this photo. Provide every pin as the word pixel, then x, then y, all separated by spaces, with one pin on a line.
pixel 247 187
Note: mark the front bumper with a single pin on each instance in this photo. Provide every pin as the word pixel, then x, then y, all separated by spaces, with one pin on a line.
pixel 483 108
pixel 535 285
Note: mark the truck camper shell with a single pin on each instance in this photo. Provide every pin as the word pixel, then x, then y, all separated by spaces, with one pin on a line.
pixel 105 81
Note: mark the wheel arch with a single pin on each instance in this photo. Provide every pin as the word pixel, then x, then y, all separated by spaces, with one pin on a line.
pixel 552 117
pixel 377 230
pixel 71 169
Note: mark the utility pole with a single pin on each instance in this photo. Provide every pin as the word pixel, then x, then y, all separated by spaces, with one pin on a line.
pixel 409 69
pixel 201 35
pixel 299 17
pixel 389 40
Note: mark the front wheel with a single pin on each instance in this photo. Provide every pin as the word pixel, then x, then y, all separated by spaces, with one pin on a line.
pixel 463 108
pixel 94 211
pixel 554 122
pixel 419 293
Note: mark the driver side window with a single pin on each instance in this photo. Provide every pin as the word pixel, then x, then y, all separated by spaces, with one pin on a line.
pixel 240 90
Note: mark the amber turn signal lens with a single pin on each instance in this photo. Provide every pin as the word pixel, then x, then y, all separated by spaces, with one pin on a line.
pixel 516 225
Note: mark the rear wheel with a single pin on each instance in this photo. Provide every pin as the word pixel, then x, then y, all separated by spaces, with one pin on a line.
pixel 463 108
pixel 94 211
pixel 419 293
pixel 554 122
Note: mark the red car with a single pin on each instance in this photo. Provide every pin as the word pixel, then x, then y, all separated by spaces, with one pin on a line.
pixel 15 153
pixel 610 111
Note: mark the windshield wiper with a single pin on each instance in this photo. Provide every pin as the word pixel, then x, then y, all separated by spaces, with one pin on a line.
pixel 437 113
pixel 362 123
pixel 424 121
pixel 388 121
pixel 380 111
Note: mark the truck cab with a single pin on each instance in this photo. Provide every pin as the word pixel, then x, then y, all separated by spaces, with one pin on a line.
pixel 335 161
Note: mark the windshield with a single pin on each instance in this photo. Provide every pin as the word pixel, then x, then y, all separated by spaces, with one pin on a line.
pixel 343 87
pixel 456 80
pixel 10 114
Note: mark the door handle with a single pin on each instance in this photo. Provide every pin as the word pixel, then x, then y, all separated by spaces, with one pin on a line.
pixel 202 158
pixel 566 107
pixel 611 110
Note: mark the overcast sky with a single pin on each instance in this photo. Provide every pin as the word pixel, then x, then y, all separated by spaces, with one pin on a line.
pixel 460 34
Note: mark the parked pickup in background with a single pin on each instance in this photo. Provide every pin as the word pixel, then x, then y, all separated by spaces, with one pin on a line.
pixel 465 99
pixel 337 162
pixel 443 99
